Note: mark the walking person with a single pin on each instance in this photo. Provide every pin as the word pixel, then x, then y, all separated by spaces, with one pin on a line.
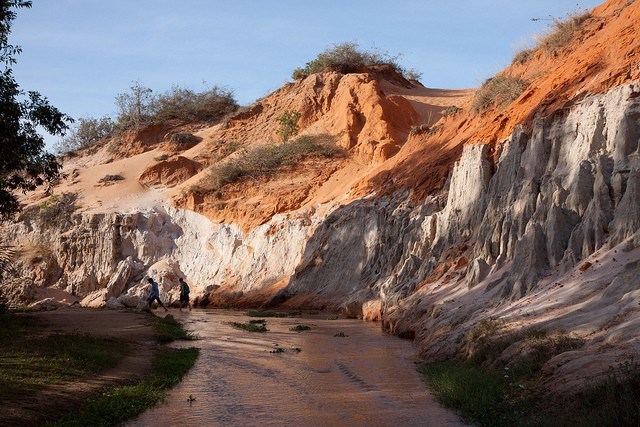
pixel 155 294
pixel 184 294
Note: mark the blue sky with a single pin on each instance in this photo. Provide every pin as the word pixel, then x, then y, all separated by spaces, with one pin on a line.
pixel 82 53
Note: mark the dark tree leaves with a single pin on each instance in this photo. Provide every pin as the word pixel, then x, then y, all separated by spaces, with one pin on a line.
pixel 24 163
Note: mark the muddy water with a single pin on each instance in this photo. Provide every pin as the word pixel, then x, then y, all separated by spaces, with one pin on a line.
pixel 365 378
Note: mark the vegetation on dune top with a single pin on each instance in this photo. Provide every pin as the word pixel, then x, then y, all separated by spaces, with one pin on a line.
pixel 140 107
pixel 559 34
pixel 347 58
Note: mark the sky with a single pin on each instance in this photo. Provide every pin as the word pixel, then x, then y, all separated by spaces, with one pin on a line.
pixel 81 53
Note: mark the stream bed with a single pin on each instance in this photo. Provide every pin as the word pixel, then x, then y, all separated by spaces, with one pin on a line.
pixel 340 372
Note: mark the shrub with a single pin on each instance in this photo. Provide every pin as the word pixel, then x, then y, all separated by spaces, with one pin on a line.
pixel 523 56
pixel 451 110
pixel 184 138
pixel 562 32
pixel 412 74
pixel 84 133
pixel 134 107
pixel 58 210
pixel 140 107
pixel 346 58
pixel 189 106
pixel 110 179
pixel 499 91
pixel 250 327
pixel 419 129
pixel 288 124
pixel 267 159
pixel 299 328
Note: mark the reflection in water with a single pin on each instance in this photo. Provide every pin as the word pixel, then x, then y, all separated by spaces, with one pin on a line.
pixel 365 378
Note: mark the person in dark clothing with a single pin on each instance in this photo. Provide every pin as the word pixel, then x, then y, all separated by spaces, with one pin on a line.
pixel 155 294
pixel 184 294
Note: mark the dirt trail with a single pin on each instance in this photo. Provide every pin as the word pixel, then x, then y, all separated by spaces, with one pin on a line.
pixel 49 403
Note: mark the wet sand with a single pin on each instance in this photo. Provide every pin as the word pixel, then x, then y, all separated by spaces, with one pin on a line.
pixel 366 378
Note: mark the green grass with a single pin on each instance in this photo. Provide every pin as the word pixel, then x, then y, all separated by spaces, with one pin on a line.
pixel 488 398
pixel 170 329
pixel 250 327
pixel 29 362
pixel 482 396
pixel 299 328
pixel 269 313
pixel 491 391
pixel 347 58
pixel 123 403
pixel 257 321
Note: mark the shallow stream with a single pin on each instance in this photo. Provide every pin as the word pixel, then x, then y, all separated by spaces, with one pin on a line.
pixel 240 378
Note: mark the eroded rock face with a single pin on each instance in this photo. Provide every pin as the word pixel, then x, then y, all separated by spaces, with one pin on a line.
pixel 506 238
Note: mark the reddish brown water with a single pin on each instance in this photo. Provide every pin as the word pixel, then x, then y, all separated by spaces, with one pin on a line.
pixel 366 378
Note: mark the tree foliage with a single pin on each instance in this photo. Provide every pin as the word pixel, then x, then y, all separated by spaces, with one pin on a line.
pixel 24 163
pixel 141 107
pixel 288 124
pixel 85 132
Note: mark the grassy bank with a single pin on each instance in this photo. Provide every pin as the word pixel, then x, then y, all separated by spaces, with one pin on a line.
pixel 492 391
pixel 34 360
pixel 123 403
pixel 31 360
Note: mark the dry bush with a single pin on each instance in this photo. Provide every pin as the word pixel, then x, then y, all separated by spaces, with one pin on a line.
pixel 523 56
pixel 58 210
pixel 189 106
pixel 451 110
pixel 267 159
pixel 110 179
pixel 499 91
pixel 184 138
pixel 419 129
pixel 562 32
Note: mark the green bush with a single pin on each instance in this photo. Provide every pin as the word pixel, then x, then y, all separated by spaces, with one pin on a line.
pixel 498 91
pixel 349 58
pixel 250 327
pixel 288 124
pixel 299 328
